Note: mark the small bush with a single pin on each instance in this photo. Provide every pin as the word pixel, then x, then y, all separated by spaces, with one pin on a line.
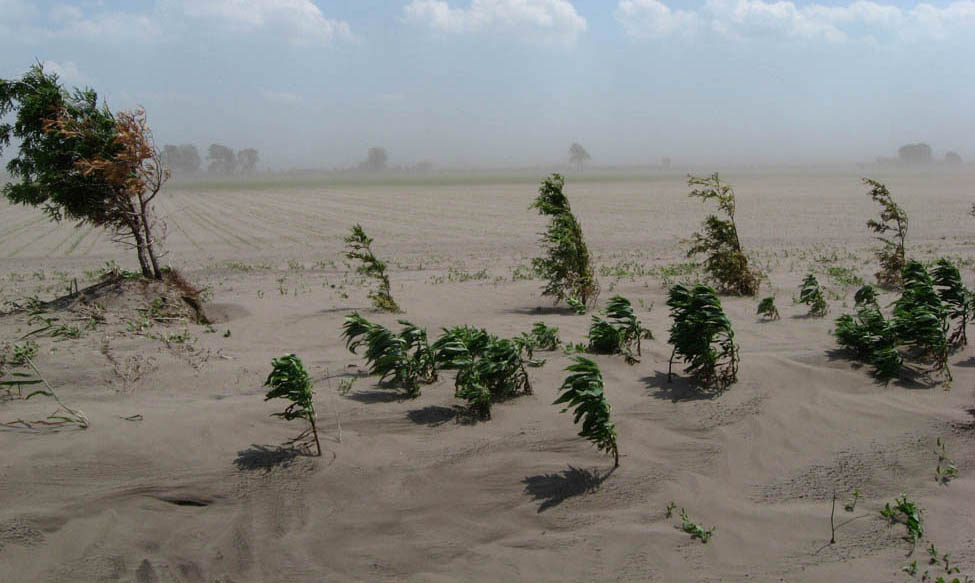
pixel 567 265
pixel 406 359
pixel 812 295
pixel 702 336
pixel 619 333
pixel 545 337
pixel 358 246
pixel 289 380
pixel 908 512
pixel 920 317
pixel 583 392
pixel 767 309
pixel 891 230
pixel 726 261
pixel 956 298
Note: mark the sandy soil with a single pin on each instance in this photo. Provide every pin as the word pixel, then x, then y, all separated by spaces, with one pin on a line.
pixel 180 478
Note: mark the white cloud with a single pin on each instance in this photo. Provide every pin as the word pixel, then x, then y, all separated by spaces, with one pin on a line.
pixel 67 71
pixel 784 19
pixel 550 20
pixel 301 20
pixel 653 19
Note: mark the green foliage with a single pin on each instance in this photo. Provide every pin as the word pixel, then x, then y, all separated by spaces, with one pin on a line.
pixel 767 309
pixel 577 306
pixel 489 369
pixel 920 318
pixel 401 360
pixel 852 504
pixel 545 337
pixel 702 336
pixel 956 298
pixel 812 295
pixel 289 380
pixel 871 338
pixel 694 529
pixel 567 265
pixel 946 469
pixel 358 246
pixel 908 512
pixel 891 230
pixel 619 333
pixel 726 261
pixel 866 296
pixel 582 391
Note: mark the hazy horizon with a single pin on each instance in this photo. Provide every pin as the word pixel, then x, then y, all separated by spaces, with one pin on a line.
pixel 511 83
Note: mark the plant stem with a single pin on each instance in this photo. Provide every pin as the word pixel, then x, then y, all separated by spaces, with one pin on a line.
pixel 832 537
pixel 82 419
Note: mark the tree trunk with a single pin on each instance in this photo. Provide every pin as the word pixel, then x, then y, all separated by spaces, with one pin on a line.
pixel 140 246
pixel 149 244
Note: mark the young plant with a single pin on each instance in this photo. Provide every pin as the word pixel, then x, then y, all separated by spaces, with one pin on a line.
pixel 694 529
pixel 358 246
pixel 545 337
pixel 582 391
pixel 577 306
pixel 946 470
pixel 767 309
pixel 812 295
pixel 852 504
pixel 726 261
pixel 866 296
pixel 871 338
pixel 920 318
pixel 289 380
pixel 566 265
pixel 406 359
pixel 891 230
pixel 63 415
pixel 619 333
pixel 702 336
pixel 907 511
pixel 956 298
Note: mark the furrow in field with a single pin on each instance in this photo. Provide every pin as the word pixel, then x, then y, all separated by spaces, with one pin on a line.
pixel 31 242
pixel 222 233
pixel 290 221
pixel 5 235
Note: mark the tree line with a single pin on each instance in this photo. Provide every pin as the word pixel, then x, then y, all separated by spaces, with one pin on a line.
pixel 185 159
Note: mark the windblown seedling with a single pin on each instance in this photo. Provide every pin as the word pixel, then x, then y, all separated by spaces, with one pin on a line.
pixel 289 380
pixel 726 261
pixel 404 359
pixel 619 333
pixel 582 391
pixel 767 309
pixel 891 230
pixel 358 246
pixel 695 530
pixel 908 512
pixel 812 295
pixel 702 336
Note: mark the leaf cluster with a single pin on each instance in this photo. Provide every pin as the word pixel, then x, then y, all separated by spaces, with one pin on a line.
pixel 619 333
pixel 891 229
pixel 908 512
pixel 567 265
pixel 403 360
pixel 767 309
pixel 358 246
pixel 957 299
pixel 811 294
pixel 702 336
pixel 726 262
pixel 920 318
pixel 542 337
pixel 582 392
pixel 289 380
pixel 695 530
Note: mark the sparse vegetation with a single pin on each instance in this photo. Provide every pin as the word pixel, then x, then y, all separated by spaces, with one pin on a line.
pixel 405 359
pixel 289 380
pixel 358 246
pixel 906 511
pixel 695 530
pixel 582 392
pixel 566 266
pixel 619 333
pixel 767 309
pixel 946 469
pixel 891 229
pixel 726 262
pixel 702 336
pixel 544 337
pixel 812 295
pixel 956 298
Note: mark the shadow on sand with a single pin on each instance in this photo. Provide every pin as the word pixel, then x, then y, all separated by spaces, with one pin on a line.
pixel 554 489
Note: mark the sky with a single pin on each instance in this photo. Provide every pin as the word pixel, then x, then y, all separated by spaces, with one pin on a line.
pixel 315 83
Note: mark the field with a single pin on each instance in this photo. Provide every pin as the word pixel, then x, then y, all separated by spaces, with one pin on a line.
pixel 180 477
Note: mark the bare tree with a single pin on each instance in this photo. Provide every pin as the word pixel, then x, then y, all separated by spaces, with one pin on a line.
pixel 578 155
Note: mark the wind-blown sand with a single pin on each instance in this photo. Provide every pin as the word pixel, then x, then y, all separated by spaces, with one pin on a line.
pixel 196 489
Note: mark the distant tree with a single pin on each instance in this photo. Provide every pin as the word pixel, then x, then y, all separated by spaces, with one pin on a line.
pixel 578 155
pixel 375 160
pixel 247 160
pixel 952 159
pixel 82 162
pixel 914 154
pixel 221 160
pixel 183 159
pixel 665 162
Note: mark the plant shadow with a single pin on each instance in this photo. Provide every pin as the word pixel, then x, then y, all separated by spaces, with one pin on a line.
pixel 267 457
pixel 554 489
pixel 544 310
pixel 680 389
pixel 435 415
pixel 378 396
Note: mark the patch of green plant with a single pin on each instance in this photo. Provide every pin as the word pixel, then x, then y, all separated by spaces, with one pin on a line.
pixel 672 273
pixel 956 298
pixel 909 513
pixel 946 469
pixel 577 306
pixel 866 296
pixel 619 333
pixel 767 309
pixel 695 530
pixel 403 360
pixel 920 318
pixel 702 336
pixel 891 229
pixel 582 391
pixel 358 246
pixel 289 380
pixel 726 262
pixel 852 504
pixel 545 337
pixel 567 265
pixel 812 295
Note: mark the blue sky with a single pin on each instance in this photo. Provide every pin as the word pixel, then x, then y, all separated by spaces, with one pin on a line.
pixel 314 83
